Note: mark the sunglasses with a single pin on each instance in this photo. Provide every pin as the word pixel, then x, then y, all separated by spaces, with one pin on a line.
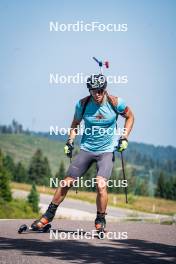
pixel 96 91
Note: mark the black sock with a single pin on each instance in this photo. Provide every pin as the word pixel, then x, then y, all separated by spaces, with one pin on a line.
pixel 51 211
pixel 102 215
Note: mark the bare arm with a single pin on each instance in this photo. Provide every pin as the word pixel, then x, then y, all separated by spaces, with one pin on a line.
pixel 74 129
pixel 129 121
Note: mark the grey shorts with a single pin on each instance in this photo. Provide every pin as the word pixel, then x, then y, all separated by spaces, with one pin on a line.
pixel 84 159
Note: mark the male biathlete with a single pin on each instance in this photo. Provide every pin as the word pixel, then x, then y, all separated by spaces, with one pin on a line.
pixel 99 112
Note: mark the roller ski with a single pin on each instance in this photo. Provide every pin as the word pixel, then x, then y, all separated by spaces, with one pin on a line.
pixel 41 225
pixel 26 229
pixel 100 225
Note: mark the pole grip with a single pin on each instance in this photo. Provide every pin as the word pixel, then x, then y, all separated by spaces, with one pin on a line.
pixel 100 63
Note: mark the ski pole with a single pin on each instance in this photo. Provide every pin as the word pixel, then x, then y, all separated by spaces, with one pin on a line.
pixel 100 63
pixel 124 177
pixel 70 163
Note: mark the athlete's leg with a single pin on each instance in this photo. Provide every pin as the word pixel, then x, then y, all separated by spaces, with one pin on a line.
pixel 104 168
pixel 102 195
pixel 76 169
pixel 59 196
pixel 101 201
pixel 62 190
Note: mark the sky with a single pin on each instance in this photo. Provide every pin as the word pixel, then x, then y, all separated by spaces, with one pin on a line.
pixel 145 53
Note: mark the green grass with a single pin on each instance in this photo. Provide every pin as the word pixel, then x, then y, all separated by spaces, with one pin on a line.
pixel 16 209
pixel 139 203
pixel 21 147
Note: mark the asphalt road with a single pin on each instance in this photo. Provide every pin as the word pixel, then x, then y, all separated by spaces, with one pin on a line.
pixel 144 244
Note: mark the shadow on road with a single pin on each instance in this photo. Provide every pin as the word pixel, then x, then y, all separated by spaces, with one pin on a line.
pixel 131 251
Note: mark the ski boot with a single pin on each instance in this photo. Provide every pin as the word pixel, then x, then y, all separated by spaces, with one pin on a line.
pixel 41 225
pixel 46 218
pixel 100 224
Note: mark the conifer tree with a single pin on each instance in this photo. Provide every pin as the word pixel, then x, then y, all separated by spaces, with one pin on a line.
pixel 5 192
pixel 33 199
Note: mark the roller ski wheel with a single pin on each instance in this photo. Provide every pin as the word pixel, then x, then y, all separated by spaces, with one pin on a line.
pixel 101 233
pixel 22 228
pixel 26 229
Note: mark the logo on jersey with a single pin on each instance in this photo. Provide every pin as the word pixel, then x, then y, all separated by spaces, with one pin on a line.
pixel 100 116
